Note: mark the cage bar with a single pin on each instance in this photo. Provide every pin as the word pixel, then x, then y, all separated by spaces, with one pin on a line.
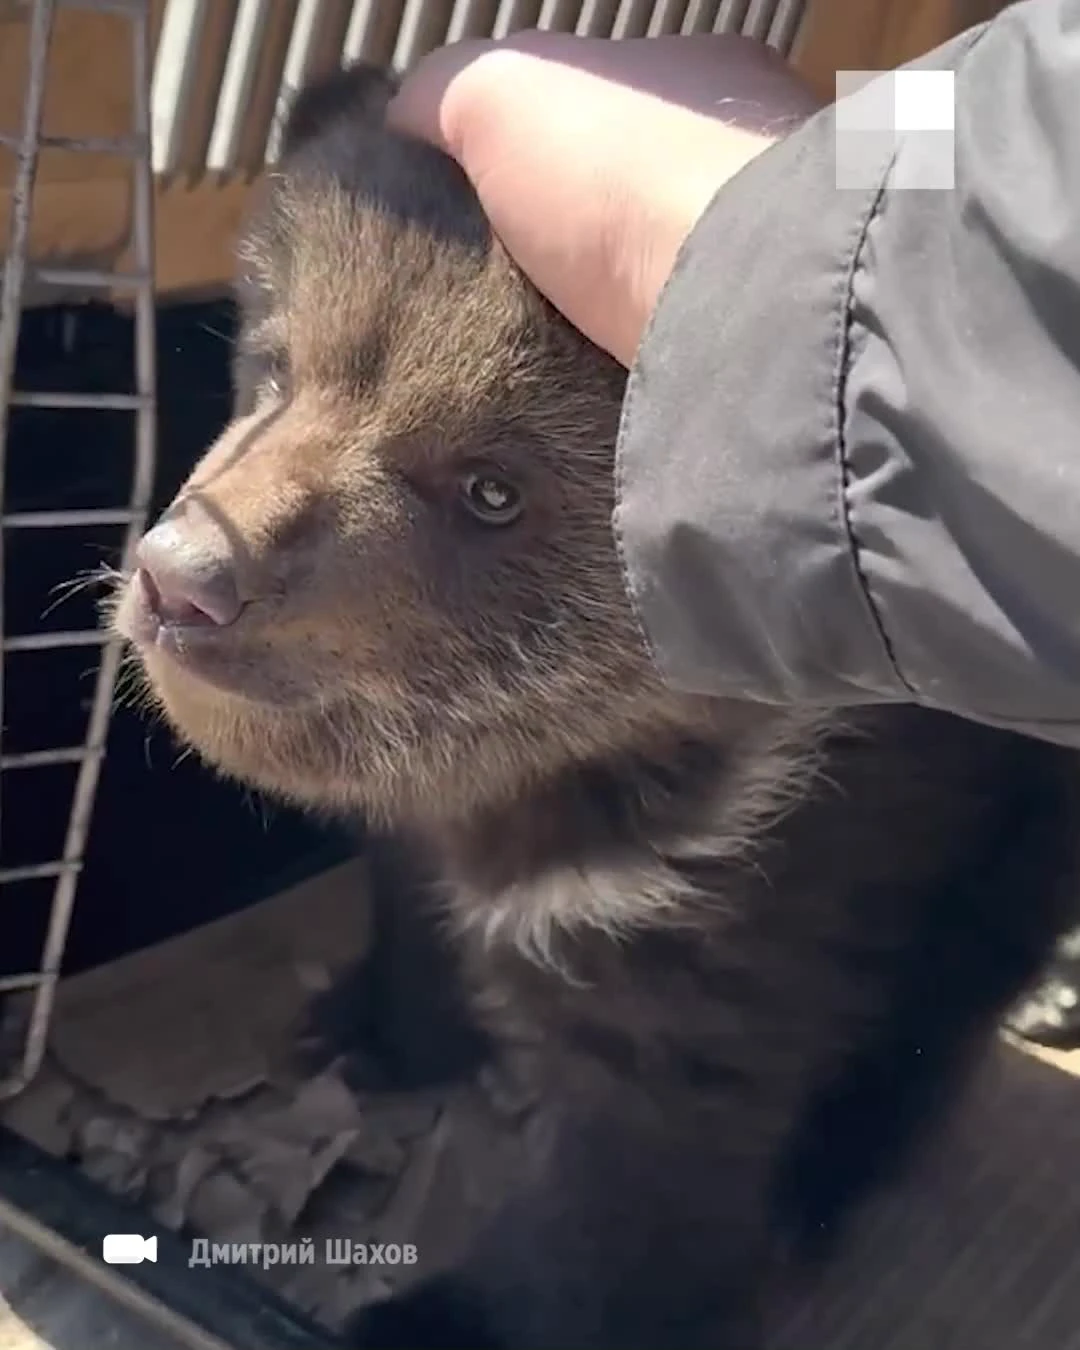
pixel 116 402
pixel 27 151
pixel 42 642
pixel 86 278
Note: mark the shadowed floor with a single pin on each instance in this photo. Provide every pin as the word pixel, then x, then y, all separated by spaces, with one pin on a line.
pixel 180 1093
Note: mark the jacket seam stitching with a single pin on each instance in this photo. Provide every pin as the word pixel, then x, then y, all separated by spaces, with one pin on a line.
pixel 843 366
pixel 845 326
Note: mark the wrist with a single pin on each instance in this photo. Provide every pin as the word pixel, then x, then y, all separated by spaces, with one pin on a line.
pixel 664 236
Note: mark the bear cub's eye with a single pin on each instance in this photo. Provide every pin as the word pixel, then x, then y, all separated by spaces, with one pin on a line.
pixel 277 375
pixel 492 500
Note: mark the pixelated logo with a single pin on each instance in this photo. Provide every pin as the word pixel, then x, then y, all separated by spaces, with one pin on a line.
pixel 901 117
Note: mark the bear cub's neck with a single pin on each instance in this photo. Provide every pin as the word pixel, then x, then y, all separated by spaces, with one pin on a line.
pixel 599 842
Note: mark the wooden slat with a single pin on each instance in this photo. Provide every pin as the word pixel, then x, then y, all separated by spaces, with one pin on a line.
pixel 887 34
pixel 211 49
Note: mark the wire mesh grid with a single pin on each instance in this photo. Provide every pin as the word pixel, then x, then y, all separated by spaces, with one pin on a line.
pixel 27 144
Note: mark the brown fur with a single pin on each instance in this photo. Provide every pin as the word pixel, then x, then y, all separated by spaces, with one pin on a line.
pixel 708 934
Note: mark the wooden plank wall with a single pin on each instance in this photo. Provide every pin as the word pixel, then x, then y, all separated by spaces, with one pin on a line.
pixel 879 34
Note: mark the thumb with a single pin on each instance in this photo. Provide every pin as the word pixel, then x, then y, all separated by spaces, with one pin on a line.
pixel 426 105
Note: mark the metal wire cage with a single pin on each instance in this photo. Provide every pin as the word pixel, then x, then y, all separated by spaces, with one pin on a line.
pixel 210 79
pixel 27 143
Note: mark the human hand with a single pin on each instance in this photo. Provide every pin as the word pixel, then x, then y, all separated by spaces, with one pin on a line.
pixel 594 159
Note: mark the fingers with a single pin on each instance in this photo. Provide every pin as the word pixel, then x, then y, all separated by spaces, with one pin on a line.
pixel 454 87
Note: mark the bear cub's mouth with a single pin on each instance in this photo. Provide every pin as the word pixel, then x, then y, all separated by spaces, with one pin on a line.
pixel 177 638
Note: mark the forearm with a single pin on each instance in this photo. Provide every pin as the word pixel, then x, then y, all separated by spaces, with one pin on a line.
pixel 850 461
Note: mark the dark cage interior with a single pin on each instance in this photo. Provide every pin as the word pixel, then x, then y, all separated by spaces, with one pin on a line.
pixel 171 846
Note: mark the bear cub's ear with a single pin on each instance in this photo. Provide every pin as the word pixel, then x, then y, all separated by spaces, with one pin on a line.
pixel 360 92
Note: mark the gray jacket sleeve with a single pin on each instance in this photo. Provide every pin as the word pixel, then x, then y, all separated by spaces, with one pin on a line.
pixel 849 468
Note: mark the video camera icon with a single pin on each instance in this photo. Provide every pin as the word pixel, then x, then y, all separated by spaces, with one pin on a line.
pixel 128 1249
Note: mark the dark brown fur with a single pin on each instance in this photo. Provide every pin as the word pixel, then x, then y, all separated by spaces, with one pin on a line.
pixel 741 956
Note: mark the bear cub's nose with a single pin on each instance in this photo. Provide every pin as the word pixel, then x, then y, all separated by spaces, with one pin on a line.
pixel 188 576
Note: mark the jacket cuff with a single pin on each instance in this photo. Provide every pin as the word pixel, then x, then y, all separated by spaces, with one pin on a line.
pixel 730 515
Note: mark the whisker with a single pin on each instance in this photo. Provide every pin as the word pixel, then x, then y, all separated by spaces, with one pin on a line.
pixel 216 332
pixel 102 576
